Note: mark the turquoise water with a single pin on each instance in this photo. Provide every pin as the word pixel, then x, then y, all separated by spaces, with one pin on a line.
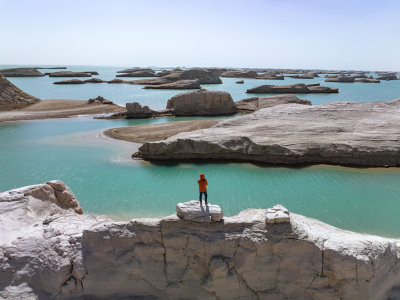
pixel 44 88
pixel 107 181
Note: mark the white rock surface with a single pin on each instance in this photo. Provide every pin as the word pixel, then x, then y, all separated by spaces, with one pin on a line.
pixel 192 210
pixel 277 214
pixel 364 134
pixel 49 252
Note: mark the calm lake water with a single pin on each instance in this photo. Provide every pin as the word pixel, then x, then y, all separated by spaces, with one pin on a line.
pixel 107 181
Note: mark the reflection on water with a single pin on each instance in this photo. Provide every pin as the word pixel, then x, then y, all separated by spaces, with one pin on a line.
pixel 107 181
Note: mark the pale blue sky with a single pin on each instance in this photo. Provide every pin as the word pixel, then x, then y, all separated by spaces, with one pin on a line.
pixel 340 34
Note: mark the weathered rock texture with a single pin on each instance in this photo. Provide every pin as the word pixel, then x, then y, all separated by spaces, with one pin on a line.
pixel 340 79
pixel 250 105
pixel 136 111
pixel 299 88
pixel 12 97
pixel 197 212
pixel 202 102
pixel 72 74
pixel 240 74
pixel 203 76
pixel 177 85
pixel 49 252
pixel 364 134
pixel 21 72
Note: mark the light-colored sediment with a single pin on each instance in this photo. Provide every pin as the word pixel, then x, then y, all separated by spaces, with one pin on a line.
pixel 347 133
pixel 46 109
pixel 156 132
pixel 50 252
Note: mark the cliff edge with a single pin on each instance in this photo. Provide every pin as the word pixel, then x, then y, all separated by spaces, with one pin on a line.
pixel 49 250
pixel 12 97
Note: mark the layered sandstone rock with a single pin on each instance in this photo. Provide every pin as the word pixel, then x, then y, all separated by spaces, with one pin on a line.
pixel 136 111
pixel 49 252
pixel 299 88
pixel 202 102
pixel 21 72
pixel 250 105
pixel 12 97
pixel 363 134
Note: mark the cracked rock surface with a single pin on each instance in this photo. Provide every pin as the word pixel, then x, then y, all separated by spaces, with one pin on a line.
pixel 347 133
pixel 50 251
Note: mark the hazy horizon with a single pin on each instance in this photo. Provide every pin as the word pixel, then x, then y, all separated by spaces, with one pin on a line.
pixel 311 34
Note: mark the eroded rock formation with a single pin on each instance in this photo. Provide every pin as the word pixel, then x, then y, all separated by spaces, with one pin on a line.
pixel 177 85
pixel 51 252
pixel 202 102
pixel 363 134
pixel 12 97
pixel 21 72
pixel 250 105
pixel 136 111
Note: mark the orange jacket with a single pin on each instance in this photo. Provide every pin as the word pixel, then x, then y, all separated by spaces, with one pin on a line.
pixel 202 184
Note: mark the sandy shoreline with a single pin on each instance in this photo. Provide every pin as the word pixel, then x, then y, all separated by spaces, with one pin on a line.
pixel 156 132
pixel 47 109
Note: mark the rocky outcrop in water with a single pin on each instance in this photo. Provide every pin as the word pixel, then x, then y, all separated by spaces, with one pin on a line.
pixel 340 79
pixel 72 74
pixel 250 105
pixel 202 103
pixel 368 80
pixel 240 74
pixel 138 73
pixel 21 72
pixel 271 77
pixel 346 133
pixel 136 111
pixel 12 97
pixel 299 88
pixel 52 252
pixel 203 76
pixel 78 81
pixel 387 77
pixel 177 85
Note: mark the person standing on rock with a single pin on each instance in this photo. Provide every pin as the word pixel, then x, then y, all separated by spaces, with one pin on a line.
pixel 202 188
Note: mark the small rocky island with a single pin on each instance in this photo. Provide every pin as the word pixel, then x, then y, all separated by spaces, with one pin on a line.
pixel 12 97
pixel 299 88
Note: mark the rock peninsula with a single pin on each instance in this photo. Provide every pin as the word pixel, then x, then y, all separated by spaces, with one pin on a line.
pixel 50 250
pixel 12 97
pixel 344 133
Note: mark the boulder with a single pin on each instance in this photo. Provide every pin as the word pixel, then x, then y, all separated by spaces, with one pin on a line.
pixel 299 88
pixel 72 74
pixel 100 99
pixel 177 85
pixel 344 133
pixel 12 97
pixel 277 214
pixel 71 81
pixel 135 111
pixel 250 105
pixel 341 79
pixel 21 72
pixel 240 74
pixel 202 103
pixel 194 211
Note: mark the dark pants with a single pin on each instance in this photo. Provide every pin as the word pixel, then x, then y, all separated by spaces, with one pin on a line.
pixel 201 196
